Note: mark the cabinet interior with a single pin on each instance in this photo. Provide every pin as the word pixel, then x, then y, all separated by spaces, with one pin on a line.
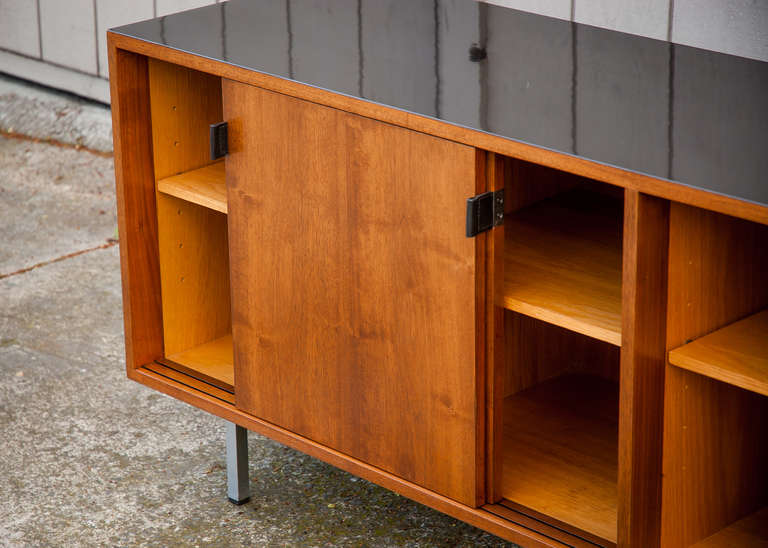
pixel 559 380
pixel 715 490
pixel 192 224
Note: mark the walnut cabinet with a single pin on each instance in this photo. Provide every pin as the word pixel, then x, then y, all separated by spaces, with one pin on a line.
pixel 591 371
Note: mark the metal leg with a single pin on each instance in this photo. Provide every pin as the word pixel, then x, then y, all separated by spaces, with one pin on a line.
pixel 238 486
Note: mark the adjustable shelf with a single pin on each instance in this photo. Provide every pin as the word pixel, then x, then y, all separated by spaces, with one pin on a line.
pixel 736 354
pixel 204 186
pixel 560 456
pixel 563 263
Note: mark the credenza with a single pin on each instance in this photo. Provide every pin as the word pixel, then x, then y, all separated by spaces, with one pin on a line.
pixel 511 267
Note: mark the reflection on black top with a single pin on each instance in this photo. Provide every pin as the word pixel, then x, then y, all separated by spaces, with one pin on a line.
pixel 674 112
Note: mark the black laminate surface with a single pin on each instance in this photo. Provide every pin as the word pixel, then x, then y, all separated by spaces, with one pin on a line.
pixel 674 112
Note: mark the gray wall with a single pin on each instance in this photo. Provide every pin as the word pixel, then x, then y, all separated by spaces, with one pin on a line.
pixel 61 43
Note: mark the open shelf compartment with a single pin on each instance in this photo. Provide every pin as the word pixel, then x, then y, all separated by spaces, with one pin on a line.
pixel 562 263
pixel 192 226
pixel 560 426
pixel 715 479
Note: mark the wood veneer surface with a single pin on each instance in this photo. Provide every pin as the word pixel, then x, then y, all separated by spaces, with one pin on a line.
pixel 563 263
pixel 749 532
pixel 205 186
pixel 560 453
pixel 715 448
pixel 736 354
pixel 354 286
pixel 194 270
pixel 643 362
pixel 211 362
pixel 136 219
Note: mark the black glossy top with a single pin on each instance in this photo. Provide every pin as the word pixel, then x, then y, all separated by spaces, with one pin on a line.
pixel 675 112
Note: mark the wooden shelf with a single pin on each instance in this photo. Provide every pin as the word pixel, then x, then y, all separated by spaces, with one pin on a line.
pixel 563 263
pixel 561 452
pixel 736 354
pixel 205 186
pixel 211 362
pixel 750 532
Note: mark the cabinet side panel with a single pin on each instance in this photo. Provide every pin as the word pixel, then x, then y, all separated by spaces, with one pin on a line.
pixel 353 283
pixel 137 221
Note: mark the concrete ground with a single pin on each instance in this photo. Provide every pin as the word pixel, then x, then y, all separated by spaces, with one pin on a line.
pixel 88 457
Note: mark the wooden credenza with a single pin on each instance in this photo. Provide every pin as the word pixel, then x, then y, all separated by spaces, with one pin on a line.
pixel 554 330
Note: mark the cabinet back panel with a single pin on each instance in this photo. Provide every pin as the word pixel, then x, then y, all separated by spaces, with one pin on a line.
pixel 715 455
pixel 184 103
pixel 194 273
pixel 718 272
pixel 537 351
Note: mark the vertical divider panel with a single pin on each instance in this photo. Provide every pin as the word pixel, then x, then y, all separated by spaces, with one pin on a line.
pixel 137 222
pixel 641 379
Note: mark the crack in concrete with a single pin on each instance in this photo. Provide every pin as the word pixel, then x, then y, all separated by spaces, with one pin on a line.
pixel 110 243
pixel 54 142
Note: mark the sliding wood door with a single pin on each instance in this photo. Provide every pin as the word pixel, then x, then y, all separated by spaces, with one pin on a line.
pixel 354 286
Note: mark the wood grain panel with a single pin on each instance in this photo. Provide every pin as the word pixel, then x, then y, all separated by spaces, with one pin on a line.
pixel 136 220
pixel 184 103
pixel 563 263
pixel 736 354
pixel 714 434
pixel 205 186
pixel 537 351
pixel 717 272
pixel 354 286
pixel 498 178
pixel 194 271
pixel 644 292
pixel 516 149
pixel 715 450
pixel 211 362
pixel 529 183
pixel 749 532
pixel 560 457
